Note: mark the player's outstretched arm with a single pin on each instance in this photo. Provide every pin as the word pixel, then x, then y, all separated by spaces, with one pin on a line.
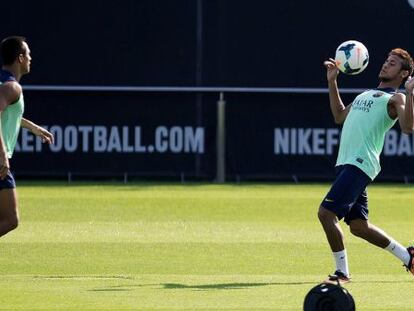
pixel 338 109
pixel 37 130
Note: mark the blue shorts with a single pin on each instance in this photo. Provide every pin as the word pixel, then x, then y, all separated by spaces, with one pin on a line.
pixel 348 195
pixel 8 182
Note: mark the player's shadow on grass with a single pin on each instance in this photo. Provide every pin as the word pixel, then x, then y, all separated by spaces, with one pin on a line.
pixel 227 285
pixel 250 285
pixel 220 286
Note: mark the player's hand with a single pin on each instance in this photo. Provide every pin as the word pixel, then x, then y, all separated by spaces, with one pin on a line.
pixel 409 85
pixel 4 165
pixel 332 70
pixel 45 135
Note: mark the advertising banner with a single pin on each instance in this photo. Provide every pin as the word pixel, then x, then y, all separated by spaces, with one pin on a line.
pixel 114 133
pixel 267 137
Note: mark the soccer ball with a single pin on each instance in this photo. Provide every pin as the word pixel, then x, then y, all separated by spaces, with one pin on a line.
pixel 351 57
pixel 329 297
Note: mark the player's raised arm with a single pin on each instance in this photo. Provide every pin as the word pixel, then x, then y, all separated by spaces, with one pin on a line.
pixel 338 109
pixel 409 111
pixel 404 108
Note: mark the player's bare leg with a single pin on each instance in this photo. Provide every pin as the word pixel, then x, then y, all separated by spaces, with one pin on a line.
pixel 374 235
pixel 367 231
pixel 335 238
pixel 332 229
pixel 9 213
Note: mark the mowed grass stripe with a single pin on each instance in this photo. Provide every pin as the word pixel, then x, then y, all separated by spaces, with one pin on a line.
pixel 162 232
pixel 177 232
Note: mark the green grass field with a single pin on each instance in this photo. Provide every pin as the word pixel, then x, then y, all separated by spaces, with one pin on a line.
pixel 192 247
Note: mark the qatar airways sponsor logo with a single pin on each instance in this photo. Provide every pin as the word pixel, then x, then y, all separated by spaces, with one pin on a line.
pixel 116 139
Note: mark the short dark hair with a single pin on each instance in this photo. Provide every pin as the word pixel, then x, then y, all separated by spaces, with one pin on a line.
pixel 10 48
pixel 407 60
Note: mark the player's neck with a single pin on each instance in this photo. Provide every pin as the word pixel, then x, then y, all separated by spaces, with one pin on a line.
pixel 14 70
pixel 389 84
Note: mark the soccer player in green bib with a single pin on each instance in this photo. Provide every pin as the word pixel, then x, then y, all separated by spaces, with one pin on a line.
pixel 15 56
pixel 365 123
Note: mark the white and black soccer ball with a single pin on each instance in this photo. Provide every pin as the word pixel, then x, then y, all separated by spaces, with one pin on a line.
pixel 351 57
pixel 328 297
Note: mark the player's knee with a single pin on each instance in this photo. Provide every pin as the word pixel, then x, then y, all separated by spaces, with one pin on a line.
pixel 324 215
pixel 358 230
pixel 321 214
pixel 13 222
